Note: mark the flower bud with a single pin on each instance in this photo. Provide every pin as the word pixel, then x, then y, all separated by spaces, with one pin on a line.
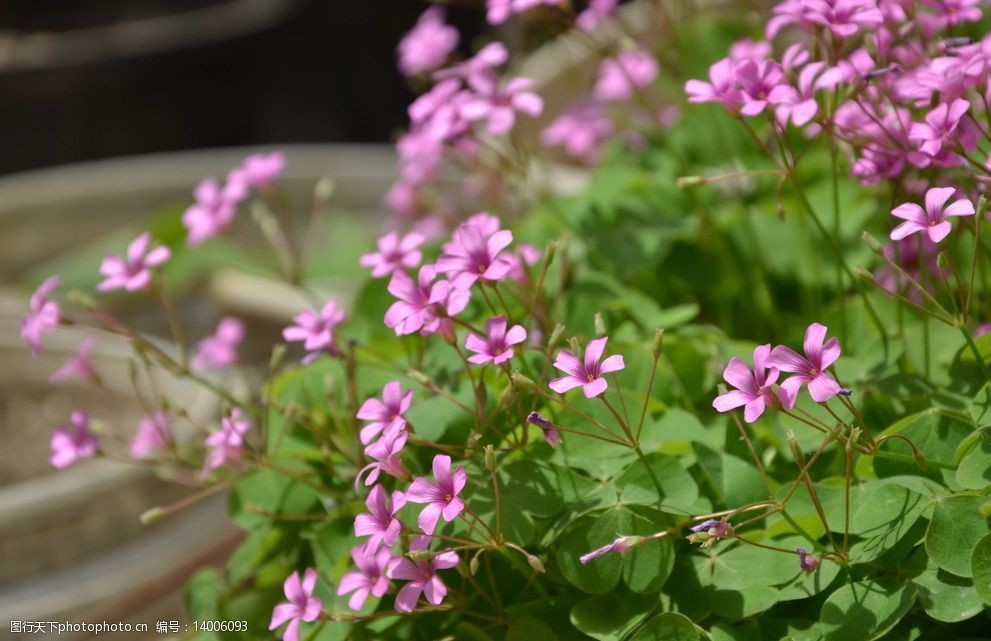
pixel 152 515
pixel 535 563
pixel 871 241
pixel 324 189
pixel 490 458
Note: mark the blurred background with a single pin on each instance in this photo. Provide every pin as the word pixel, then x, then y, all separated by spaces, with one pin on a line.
pixel 89 79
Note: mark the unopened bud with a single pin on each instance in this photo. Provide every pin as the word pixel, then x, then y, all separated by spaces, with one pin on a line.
pixel 657 345
pixel 420 555
pixel 863 273
pixel 549 252
pixel 535 563
pixel 522 381
pixel 152 515
pixel 574 345
pixel 871 241
pixel 278 355
pixel 324 189
pixel 420 377
pixel 555 335
pixel 490 458
pixel 690 181
pixel 473 563
pixel 600 325
pixel 82 299
pixel 942 261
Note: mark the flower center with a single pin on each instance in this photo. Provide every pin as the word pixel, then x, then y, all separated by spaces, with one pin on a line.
pixel 814 372
pixel 448 498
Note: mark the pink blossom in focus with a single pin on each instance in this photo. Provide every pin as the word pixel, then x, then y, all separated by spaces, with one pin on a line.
pixel 440 496
pixel 497 346
pixel 226 443
pixel 581 130
pixel 302 605
pixel 380 524
pixel 384 414
pixel 43 315
pixel 316 330
pixel 213 211
pixel 428 44
pixel 132 273
pixel 753 387
pixel 79 365
pixel 220 349
pixel 809 369
pixel 69 444
pixel 422 576
pixel 497 105
pixel 371 578
pixel 931 220
pixel 474 253
pixel 620 77
pixel 394 253
pixel 586 374
pixel 152 434
pixel 385 453
pixel 423 304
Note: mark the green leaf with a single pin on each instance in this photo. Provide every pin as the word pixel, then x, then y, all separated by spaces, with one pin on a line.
pixel 669 626
pixel 806 585
pixel 974 471
pixel 980 564
pixel 586 534
pixel 639 484
pixel 937 433
pixel 203 594
pixel 882 514
pixel 610 617
pixel 528 629
pixel 947 597
pixel 265 492
pixel 647 566
pixel 533 486
pixel 864 610
pixel 740 604
pixel 741 566
pixel 956 527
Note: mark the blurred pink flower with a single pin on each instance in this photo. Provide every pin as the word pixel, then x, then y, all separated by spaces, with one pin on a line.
pixel 152 435
pixel 942 128
pixel 385 453
pixel 43 316
pixel 132 273
pixel 581 130
pixel 597 11
pixel 220 349
pixel 497 105
pixel 722 86
pixel 69 444
pixel 474 252
pixel 316 330
pixel 498 11
pixel 428 44
pixel 394 253
pixel 227 442
pixel 423 304
pixel 78 365
pixel 213 211
pixel 257 171
pixel 620 77
pixel 385 414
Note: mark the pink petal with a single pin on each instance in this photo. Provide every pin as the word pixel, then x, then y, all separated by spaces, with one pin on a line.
pixel 565 384
pixel 962 207
pixel 940 231
pixel 814 337
pixel 429 516
pixel 910 211
pixel 822 388
pixel 594 388
pixel 786 359
pixel 594 350
pixel 730 401
pixel 753 410
pixel 612 364
pixel 907 228
pixel 936 196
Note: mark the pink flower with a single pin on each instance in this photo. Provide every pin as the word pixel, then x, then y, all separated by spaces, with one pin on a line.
pixel 597 11
pixel 302 605
pixel 798 104
pixel 441 498
pixel 220 349
pixel 620 77
pixel 497 347
pixel 422 576
pixel 954 12
pixel 386 414
pixel 482 63
pixel 371 579
pixel 213 211
pixel 394 254
pixel 428 44
pixel 497 106
pixel 809 369
pixel 806 561
pixel 932 219
pixel 473 253
pixel 152 435
pixel 257 171
pixel 757 81
pixel 380 524
pixel 69 444
pixel 385 453
pixel 753 388
pixel 722 86
pixel 581 131
pixel 227 442
pixel 132 273
pixel 316 330
pixel 587 374
pixel 422 305
pixel 43 315
pixel 78 365
pixel 550 431
pixel 942 127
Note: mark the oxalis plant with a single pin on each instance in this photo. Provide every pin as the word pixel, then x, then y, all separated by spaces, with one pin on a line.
pixel 517 429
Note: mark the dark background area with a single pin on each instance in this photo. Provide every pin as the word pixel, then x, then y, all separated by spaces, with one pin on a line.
pixel 89 79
